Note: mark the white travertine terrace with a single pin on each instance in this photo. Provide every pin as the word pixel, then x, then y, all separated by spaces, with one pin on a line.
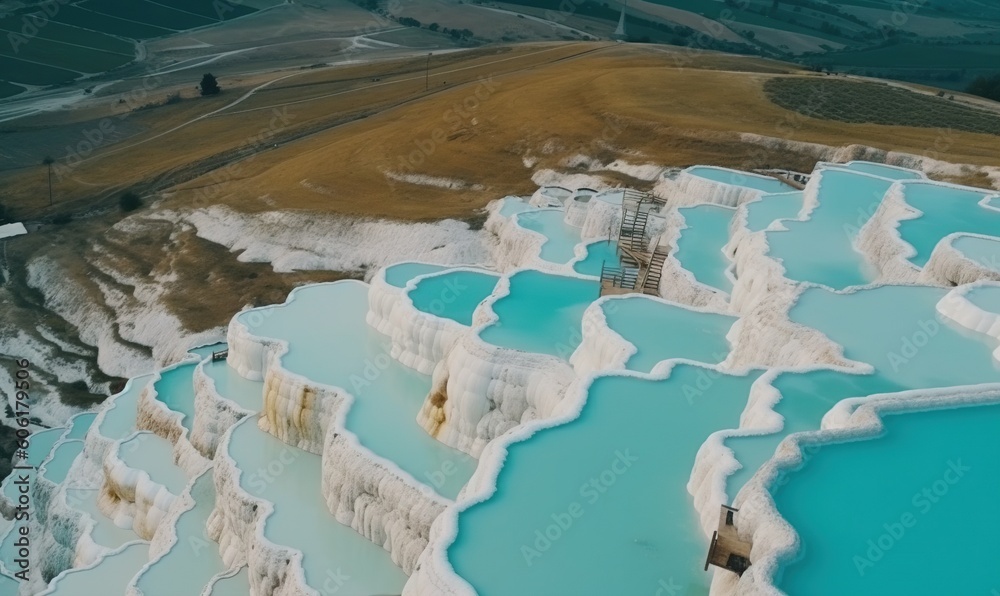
pixel 484 397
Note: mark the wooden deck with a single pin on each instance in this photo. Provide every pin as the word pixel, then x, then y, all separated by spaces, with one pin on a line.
pixel 727 550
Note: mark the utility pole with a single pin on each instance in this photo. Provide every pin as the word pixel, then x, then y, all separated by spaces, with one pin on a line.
pixel 427 72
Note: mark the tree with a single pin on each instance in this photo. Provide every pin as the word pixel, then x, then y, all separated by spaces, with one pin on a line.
pixel 209 86
pixel 48 161
pixel 986 86
pixel 129 201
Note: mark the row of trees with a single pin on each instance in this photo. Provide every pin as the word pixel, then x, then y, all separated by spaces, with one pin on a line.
pixel 987 86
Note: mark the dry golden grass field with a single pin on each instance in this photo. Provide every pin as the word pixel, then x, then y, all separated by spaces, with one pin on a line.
pixel 326 139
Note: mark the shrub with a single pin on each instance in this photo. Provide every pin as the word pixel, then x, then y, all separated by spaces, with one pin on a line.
pixel 129 201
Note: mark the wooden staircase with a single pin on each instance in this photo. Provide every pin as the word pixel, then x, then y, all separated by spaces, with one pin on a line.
pixel 639 270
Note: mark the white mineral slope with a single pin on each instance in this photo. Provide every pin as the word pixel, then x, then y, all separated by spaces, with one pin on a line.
pixel 678 284
pixel 153 415
pixel 419 340
pixel 948 266
pixel 95 324
pixel 601 348
pixel 763 296
pixel 480 391
pixel 296 241
pixel 602 221
pixel 881 243
pixel 367 492
pixel 957 307
pixel 774 540
pixel 690 189
pixel 54 528
pixel 929 162
pixel 214 414
pixel 131 496
pixel 120 406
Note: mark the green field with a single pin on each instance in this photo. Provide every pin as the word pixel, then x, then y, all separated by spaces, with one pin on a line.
pixel 72 15
pixel 912 55
pixel 213 10
pixel 875 103
pixel 33 74
pixel 93 36
pixel 148 13
pixel 8 90
pixel 70 57
pixel 73 35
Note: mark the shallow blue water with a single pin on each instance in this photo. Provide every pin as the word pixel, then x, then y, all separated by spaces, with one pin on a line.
pixel 154 455
pixel 920 498
pixel 236 585
pixel 599 254
pixel 772 207
pixel 454 294
pixel 820 249
pixel 560 237
pixel 737 178
pixel 290 478
pixel 79 425
pixel 175 389
pixel 61 460
pixel 894 328
pixel 985 251
pixel 660 331
pixel 343 351
pixel 400 274
pixel 110 576
pixel 514 205
pixel 194 559
pixel 883 170
pixel 946 210
pixel 699 248
pixel 599 505
pixel 985 297
pixel 542 313
pixel 230 385
pixel 105 532
pixel 119 421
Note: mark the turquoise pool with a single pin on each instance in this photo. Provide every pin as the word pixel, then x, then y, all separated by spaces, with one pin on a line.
pixel 772 207
pixel 105 532
pixel 453 294
pixel 985 251
pixel 599 505
pixel 883 170
pixel 229 384
pixel 194 559
pixel 343 351
pixel 513 205
pixel 660 331
pixel 154 455
pixel 946 209
pixel 599 254
pixel 985 297
pixel 57 466
pixel 236 585
pixel 916 494
pixel 699 248
pixel 897 330
pixel 79 425
pixel 821 249
pixel 737 178
pixel 110 576
pixel 400 274
pixel 119 420
pixel 301 520
pixel 560 237
pixel 175 389
pixel 542 313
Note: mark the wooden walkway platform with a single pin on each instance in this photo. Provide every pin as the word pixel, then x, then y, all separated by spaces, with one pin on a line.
pixel 727 550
